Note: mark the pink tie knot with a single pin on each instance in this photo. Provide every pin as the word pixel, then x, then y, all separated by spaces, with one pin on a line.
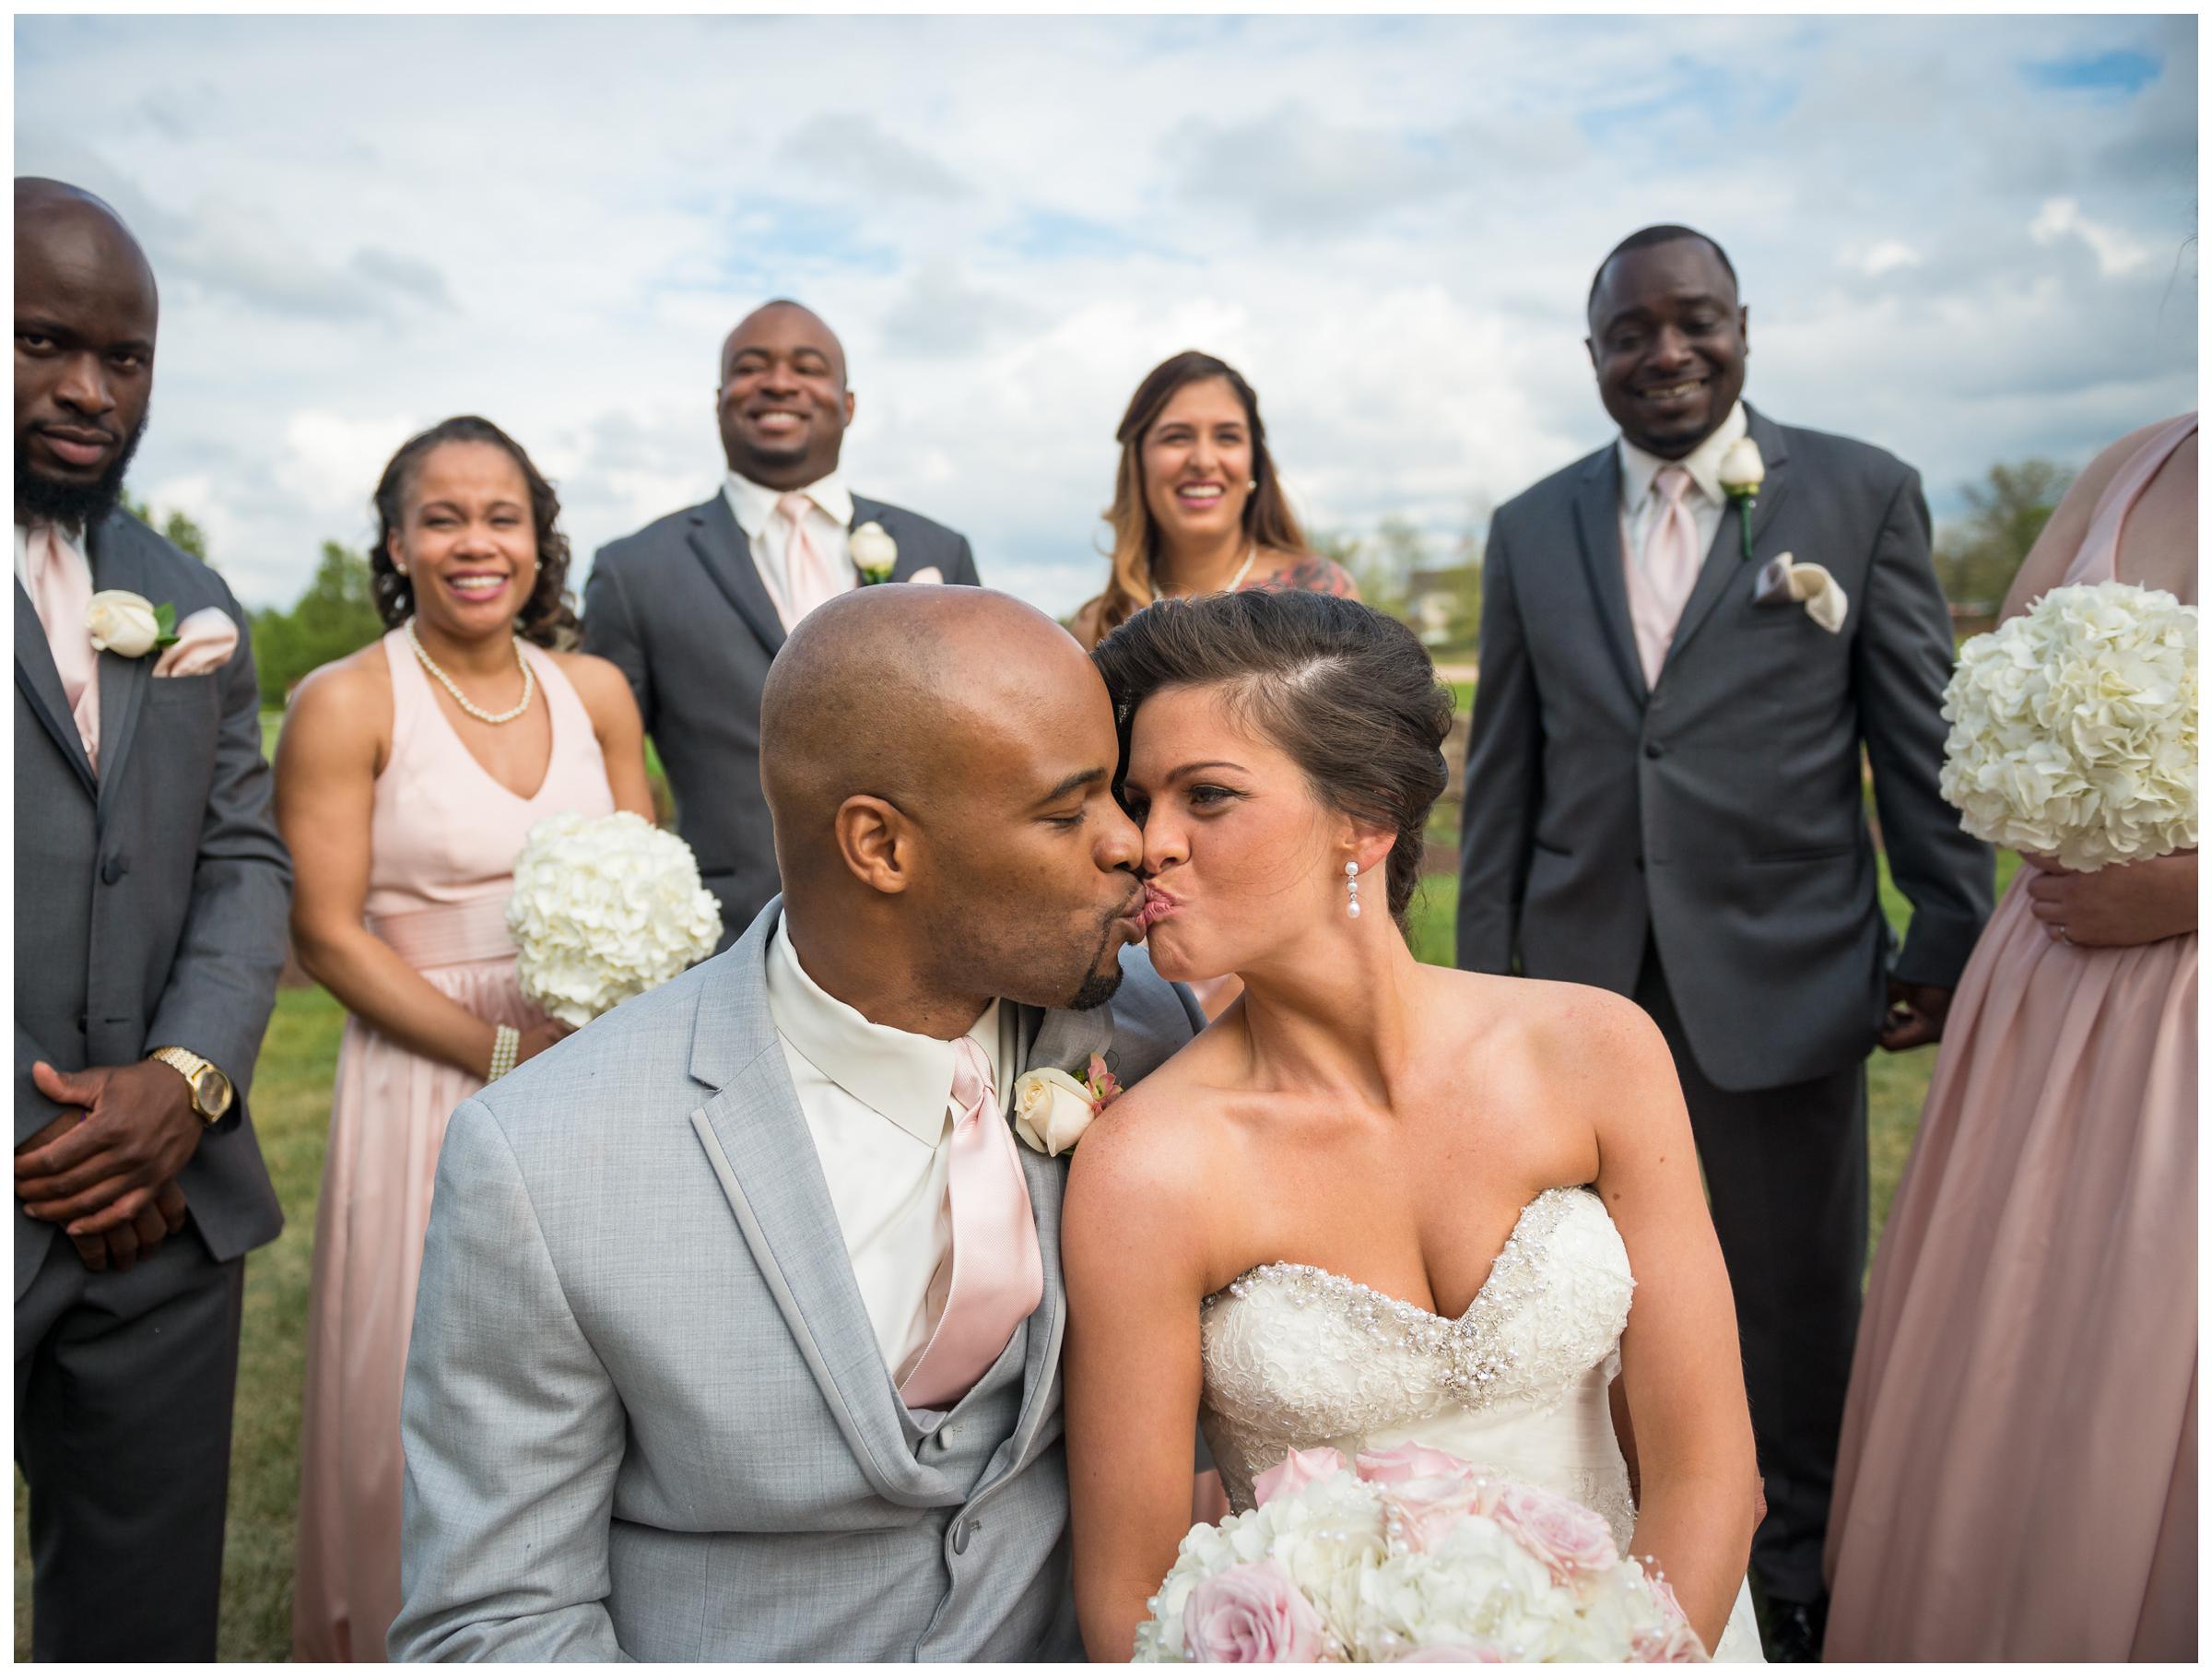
pixel 1672 483
pixel 970 1077
pixel 794 507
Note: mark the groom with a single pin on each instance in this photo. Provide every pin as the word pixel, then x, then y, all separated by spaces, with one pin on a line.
pixel 1663 798
pixel 739 1328
pixel 692 608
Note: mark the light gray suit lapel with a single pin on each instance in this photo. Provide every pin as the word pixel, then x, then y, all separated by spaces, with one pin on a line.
pixel 118 563
pixel 756 1137
pixel 1066 1039
pixel 1724 562
pixel 721 546
pixel 40 685
pixel 1597 524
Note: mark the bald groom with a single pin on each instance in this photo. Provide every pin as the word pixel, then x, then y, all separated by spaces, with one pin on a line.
pixel 739 1328
pixel 694 606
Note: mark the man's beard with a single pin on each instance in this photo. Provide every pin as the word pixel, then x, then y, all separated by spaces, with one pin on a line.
pixel 79 505
pixel 1097 988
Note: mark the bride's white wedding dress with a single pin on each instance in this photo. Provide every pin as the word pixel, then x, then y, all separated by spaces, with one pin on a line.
pixel 1296 1358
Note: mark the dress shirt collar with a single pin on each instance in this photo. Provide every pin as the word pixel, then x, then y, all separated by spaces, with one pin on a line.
pixel 907 1079
pixel 755 503
pixel 72 537
pixel 1702 463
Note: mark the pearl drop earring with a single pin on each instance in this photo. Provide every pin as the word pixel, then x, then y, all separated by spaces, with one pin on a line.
pixel 1351 889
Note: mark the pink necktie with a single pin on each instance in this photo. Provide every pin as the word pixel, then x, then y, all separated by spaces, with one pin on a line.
pixel 61 588
pixel 994 1275
pixel 808 581
pixel 1659 587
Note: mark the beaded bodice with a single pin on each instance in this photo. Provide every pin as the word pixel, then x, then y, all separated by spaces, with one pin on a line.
pixel 1296 1357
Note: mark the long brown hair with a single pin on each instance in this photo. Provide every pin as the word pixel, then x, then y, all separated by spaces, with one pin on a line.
pixel 1268 520
pixel 548 616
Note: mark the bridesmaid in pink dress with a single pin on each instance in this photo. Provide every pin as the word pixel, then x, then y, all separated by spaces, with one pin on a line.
pixel 407 777
pixel 2018 1477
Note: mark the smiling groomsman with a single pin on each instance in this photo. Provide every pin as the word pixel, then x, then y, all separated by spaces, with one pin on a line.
pixel 152 897
pixel 1663 799
pixel 694 606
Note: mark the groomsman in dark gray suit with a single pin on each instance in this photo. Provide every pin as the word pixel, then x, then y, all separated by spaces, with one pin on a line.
pixel 1663 799
pixel 151 896
pixel 693 607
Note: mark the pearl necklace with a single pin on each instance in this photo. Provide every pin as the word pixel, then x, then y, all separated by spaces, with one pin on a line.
pixel 1235 582
pixel 462 699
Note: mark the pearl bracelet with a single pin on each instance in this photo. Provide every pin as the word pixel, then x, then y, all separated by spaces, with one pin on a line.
pixel 506 1047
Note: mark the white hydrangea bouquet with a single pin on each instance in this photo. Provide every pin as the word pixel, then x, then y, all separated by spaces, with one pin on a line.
pixel 1411 1554
pixel 606 907
pixel 2073 727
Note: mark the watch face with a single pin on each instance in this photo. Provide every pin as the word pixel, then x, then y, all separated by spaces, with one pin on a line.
pixel 211 1092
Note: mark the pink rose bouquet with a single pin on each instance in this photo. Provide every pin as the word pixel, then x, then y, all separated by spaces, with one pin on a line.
pixel 1408 1556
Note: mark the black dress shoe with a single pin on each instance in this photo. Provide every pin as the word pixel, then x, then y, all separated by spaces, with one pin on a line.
pixel 1795 1630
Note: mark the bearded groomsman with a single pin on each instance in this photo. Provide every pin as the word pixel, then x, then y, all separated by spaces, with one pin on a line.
pixel 1663 799
pixel 694 606
pixel 151 898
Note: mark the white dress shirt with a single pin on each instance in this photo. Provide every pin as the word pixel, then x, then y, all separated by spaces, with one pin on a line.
pixel 828 527
pixel 72 543
pixel 879 1103
pixel 1704 499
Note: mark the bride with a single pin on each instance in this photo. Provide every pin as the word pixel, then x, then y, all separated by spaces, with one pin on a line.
pixel 1376 1201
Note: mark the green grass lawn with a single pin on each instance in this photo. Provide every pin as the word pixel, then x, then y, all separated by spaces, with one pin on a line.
pixel 291 1106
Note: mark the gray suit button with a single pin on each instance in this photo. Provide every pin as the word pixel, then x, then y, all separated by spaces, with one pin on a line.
pixel 1652 747
pixel 962 1532
pixel 1638 864
pixel 114 867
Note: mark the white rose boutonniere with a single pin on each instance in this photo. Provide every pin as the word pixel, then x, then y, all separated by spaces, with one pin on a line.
pixel 127 624
pixel 1743 470
pixel 1051 1109
pixel 874 552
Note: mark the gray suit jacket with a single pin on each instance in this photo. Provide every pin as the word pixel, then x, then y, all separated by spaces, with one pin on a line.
pixel 645 1411
pixel 680 608
pixel 151 899
pixel 1721 810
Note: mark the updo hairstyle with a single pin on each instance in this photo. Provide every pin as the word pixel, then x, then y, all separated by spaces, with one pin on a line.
pixel 1348 693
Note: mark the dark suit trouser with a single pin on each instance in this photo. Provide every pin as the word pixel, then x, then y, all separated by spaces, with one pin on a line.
pixel 1786 1169
pixel 124 1387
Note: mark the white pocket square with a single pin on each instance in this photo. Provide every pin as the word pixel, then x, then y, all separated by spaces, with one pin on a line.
pixel 1782 580
pixel 927 574
pixel 205 641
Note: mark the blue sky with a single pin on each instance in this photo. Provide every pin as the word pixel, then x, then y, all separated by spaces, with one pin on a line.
pixel 1967 239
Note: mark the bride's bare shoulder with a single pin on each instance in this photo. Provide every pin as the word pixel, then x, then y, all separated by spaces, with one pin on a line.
pixel 1158 1143
pixel 1557 1031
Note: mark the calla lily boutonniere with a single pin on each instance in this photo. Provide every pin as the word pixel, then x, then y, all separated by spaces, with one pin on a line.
pixel 1741 474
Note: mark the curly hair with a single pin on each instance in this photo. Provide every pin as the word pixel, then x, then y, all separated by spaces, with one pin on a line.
pixel 548 616
pixel 1346 692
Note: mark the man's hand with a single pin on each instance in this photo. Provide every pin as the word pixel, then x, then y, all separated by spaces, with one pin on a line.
pixel 2118 906
pixel 1916 1015
pixel 138 1130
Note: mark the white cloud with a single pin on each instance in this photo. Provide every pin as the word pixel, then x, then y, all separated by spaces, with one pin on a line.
pixel 1388 224
pixel 2116 252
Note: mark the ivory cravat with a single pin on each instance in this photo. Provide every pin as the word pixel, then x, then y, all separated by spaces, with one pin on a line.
pixel 1660 581
pixel 808 579
pixel 61 590
pixel 993 1276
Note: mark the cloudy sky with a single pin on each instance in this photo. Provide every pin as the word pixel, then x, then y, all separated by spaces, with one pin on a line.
pixel 1970 240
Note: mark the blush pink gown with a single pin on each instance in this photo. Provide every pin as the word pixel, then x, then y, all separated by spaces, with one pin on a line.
pixel 2018 1476
pixel 444 836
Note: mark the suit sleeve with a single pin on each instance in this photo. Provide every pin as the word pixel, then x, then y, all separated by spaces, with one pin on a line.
pixel 512 1431
pixel 33 1110
pixel 1902 656
pixel 230 953
pixel 1505 743
pixel 962 569
pixel 610 631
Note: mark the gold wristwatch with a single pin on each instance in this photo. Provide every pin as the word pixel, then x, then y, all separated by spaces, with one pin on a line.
pixel 210 1088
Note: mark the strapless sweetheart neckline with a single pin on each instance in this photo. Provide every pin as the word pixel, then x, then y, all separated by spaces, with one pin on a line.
pixel 1391 1301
